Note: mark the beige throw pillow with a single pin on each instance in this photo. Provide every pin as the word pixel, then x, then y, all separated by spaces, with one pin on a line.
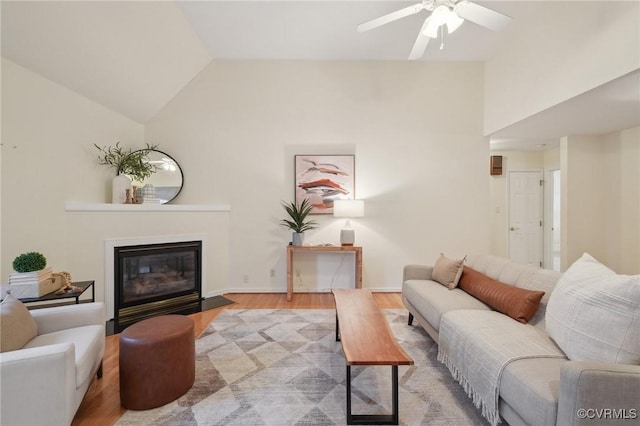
pixel 17 326
pixel 447 272
pixel 593 314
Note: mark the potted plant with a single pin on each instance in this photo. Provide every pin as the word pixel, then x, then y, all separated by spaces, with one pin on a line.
pixel 32 277
pixel 297 220
pixel 29 262
pixel 129 164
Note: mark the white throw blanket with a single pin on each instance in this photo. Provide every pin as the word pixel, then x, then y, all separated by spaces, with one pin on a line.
pixel 476 346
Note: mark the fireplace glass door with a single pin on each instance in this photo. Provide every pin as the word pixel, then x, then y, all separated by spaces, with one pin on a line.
pixel 156 279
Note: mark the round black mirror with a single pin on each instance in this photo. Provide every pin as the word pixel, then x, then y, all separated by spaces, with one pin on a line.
pixel 165 183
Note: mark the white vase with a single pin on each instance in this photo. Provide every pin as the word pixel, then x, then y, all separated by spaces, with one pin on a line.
pixel 297 239
pixel 120 185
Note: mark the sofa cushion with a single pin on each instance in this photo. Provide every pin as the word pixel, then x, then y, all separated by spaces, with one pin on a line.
pixel 447 271
pixel 433 300
pixel 594 314
pixel 87 342
pixel 531 387
pixel 518 303
pixel 17 325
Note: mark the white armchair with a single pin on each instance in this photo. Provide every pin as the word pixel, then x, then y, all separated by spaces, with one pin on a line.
pixel 44 382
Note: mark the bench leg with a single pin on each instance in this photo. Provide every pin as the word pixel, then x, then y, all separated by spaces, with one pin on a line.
pixel 375 419
pixel 337 328
pixel 410 318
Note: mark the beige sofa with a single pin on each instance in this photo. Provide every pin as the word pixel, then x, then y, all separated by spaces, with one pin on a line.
pixel 44 381
pixel 546 390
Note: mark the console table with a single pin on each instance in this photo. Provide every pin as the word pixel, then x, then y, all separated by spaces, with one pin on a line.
pixel 291 249
pixel 83 285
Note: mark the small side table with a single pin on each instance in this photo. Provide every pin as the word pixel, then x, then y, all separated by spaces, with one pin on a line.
pixel 322 249
pixel 83 285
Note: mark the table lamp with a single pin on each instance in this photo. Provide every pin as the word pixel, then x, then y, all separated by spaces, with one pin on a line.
pixel 348 209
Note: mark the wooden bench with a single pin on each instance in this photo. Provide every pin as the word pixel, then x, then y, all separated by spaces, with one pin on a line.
pixel 367 339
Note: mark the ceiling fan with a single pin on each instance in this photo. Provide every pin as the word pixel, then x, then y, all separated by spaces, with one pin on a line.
pixel 449 13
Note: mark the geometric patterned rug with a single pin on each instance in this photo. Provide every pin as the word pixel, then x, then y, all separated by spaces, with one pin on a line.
pixel 284 367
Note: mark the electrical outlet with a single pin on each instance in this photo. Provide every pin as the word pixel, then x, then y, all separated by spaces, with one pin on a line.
pixel 245 279
pixel 273 273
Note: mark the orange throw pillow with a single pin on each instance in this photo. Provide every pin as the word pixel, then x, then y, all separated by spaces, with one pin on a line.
pixel 518 303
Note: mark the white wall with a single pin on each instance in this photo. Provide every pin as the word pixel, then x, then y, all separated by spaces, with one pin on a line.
pixel 582 194
pixel 48 158
pixel 539 66
pixel 622 200
pixel 552 159
pixel 601 199
pixel 416 132
pixel 421 166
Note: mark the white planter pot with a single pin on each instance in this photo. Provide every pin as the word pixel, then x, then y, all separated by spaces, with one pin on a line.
pixel 297 239
pixel 119 189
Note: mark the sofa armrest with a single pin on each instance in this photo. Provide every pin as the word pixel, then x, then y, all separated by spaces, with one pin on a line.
pixel 69 316
pixel 417 272
pixel 38 385
pixel 597 392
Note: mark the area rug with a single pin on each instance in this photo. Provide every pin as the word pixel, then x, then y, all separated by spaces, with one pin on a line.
pixel 284 367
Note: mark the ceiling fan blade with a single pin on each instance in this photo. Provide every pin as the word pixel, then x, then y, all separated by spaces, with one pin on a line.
pixel 421 42
pixel 393 16
pixel 481 15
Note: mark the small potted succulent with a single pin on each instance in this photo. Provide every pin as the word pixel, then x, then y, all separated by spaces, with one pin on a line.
pixel 297 220
pixel 129 163
pixel 29 262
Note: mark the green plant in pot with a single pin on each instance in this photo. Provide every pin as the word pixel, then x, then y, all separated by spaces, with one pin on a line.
pixel 297 220
pixel 29 262
pixel 127 160
pixel 129 164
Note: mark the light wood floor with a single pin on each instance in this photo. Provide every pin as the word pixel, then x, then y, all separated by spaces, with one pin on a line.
pixel 101 404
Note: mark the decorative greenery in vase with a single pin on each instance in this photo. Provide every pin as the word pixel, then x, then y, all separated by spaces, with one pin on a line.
pixel 298 215
pixel 128 161
pixel 29 262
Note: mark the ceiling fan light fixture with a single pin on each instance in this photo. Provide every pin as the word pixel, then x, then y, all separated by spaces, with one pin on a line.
pixel 453 22
pixel 442 15
pixel 431 28
pixel 451 13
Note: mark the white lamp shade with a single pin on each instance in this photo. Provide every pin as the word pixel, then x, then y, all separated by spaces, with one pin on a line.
pixel 348 208
pixel 431 28
pixel 453 22
pixel 442 15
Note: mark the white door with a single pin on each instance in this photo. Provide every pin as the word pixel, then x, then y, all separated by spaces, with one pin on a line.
pixel 525 217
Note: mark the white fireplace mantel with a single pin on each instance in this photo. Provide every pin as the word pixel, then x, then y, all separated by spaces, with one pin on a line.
pixel 74 206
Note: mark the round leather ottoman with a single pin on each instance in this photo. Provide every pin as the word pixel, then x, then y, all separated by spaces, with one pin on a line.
pixel 157 361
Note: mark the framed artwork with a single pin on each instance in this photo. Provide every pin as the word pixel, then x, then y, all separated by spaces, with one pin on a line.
pixel 323 179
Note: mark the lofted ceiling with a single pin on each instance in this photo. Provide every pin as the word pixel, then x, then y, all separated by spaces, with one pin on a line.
pixel 135 56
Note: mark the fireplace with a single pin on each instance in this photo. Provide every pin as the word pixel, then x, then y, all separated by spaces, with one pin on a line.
pixel 156 279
